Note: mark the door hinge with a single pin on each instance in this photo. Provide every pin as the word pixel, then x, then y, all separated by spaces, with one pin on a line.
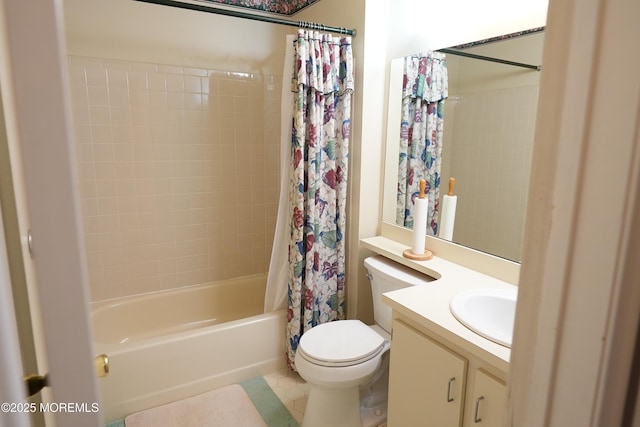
pixel 35 383
pixel 30 242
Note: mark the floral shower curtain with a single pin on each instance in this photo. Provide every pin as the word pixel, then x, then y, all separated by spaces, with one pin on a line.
pixel 424 90
pixel 322 84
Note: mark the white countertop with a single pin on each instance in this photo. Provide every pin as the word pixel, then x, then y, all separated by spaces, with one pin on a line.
pixel 428 305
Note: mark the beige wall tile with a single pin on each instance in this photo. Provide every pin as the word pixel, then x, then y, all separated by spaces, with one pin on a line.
pixel 177 167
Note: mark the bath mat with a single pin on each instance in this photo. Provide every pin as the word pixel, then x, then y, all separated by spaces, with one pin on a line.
pixel 267 403
pixel 119 423
pixel 224 407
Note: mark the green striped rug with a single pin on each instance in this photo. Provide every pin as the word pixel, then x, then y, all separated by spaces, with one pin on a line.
pixel 270 407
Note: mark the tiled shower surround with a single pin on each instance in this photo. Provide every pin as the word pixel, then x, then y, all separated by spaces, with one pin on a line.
pixel 178 172
pixel 493 134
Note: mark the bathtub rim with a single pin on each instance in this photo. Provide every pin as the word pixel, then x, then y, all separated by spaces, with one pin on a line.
pixel 120 348
pixel 102 304
pixel 99 307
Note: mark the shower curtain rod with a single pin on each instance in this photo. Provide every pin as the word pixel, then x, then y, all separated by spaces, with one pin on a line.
pixel 488 58
pixel 255 17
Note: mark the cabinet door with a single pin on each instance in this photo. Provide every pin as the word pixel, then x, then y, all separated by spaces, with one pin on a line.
pixel 426 382
pixel 489 398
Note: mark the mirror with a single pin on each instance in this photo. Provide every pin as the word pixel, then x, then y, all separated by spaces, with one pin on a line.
pixel 489 122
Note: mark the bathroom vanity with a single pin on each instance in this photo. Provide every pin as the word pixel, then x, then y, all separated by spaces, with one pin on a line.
pixel 432 384
pixel 442 373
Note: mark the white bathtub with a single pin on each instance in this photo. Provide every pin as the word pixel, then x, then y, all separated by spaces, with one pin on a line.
pixel 169 345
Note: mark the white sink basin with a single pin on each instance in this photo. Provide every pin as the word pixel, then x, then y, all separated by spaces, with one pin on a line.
pixel 489 312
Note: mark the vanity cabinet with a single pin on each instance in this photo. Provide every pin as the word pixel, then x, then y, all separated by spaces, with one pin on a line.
pixel 486 401
pixel 433 386
pixel 426 381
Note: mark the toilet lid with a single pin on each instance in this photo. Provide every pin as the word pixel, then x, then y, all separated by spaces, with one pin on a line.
pixel 340 343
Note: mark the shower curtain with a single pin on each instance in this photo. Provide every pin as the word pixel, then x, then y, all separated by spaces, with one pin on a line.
pixel 318 154
pixel 276 292
pixel 424 90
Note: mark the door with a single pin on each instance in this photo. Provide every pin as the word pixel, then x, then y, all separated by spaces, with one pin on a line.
pixel 578 306
pixel 10 366
pixel 33 86
pixel 426 381
pixel 18 264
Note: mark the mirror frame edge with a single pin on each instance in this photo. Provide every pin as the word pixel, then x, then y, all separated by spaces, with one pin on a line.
pixel 392 151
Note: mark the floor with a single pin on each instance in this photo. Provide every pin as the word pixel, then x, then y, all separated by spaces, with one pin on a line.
pixel 291 389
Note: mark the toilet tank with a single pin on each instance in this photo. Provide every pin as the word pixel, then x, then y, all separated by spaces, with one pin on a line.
pixel 386 275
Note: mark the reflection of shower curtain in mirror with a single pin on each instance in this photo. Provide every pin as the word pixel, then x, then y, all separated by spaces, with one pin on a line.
pixel 424 90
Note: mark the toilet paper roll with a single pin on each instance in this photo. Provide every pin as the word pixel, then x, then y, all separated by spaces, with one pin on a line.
pixel 421 208
pixel 448 217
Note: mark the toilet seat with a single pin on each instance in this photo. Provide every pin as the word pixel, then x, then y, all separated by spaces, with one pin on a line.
pixel 340 343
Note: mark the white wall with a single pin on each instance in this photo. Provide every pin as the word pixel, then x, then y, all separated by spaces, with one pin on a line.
pixel 420 25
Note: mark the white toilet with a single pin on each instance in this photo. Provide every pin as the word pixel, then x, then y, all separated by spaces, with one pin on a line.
pixel 346 363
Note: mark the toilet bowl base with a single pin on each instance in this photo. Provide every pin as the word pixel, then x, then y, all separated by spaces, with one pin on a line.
pixel 332 407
